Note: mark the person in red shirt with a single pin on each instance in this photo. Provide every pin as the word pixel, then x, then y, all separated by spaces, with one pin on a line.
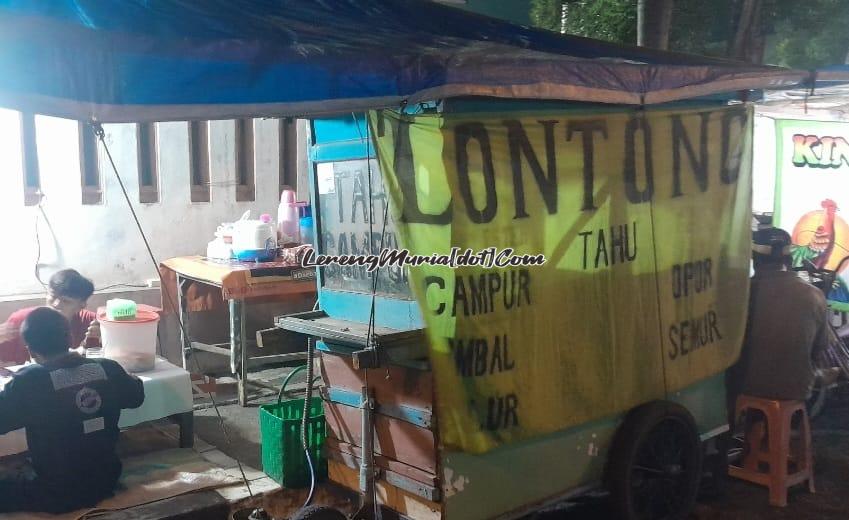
pixel 67 292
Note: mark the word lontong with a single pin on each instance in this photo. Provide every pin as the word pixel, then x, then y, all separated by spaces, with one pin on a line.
pixel 473 138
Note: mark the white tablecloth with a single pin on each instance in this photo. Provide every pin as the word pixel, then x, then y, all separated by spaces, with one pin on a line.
pixel 167 391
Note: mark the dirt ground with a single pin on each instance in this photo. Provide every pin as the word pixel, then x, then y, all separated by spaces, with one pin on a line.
pixel 831 466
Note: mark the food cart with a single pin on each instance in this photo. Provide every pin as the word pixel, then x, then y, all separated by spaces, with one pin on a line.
pixel 497 390
pixel 469 392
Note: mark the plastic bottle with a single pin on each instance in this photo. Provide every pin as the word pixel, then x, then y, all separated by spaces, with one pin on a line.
pixel 305 223
pixel 268 231
pixel 287 219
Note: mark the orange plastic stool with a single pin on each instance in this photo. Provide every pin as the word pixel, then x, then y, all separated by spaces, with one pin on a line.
pixel 771 446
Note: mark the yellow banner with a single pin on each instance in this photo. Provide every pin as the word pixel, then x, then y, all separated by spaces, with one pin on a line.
pixel 643 218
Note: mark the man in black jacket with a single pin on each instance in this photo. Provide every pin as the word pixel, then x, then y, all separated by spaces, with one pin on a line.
pixel 70 408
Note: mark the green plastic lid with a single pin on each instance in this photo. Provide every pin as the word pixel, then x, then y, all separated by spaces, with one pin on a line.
pixel 118 309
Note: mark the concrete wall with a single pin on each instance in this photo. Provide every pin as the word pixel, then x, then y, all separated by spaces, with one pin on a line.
pixel 145 296
pixel 102 240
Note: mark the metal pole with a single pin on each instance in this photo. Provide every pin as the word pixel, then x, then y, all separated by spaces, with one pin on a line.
pixel 185 340
pixel 243 378
pixel 238 349
pixel 367 465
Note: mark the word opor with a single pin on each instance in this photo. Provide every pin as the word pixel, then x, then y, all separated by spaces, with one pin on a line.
pixel 691 278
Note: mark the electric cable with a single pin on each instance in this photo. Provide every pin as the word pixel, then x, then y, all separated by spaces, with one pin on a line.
pixel 101 135
pixel 38 261
pixel 37 267
pixel 305 418
pixel 131 285
pixel 367 138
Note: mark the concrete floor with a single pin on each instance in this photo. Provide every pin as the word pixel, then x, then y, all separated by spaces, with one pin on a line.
pixel 242 442
pixel 242 429
pixel 197 505
pixel 240 436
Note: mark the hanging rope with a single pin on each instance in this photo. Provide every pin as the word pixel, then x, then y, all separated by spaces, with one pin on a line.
pixel 101 135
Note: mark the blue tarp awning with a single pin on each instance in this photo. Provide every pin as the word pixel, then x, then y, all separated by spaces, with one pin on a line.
pixel 833 74
pixel 158 60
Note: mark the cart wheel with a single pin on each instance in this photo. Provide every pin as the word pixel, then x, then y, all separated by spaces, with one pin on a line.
pixel 654 466
pixel 319 513
pixel 816 403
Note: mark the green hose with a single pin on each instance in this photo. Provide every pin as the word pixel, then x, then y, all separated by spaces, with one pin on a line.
pixel 286 381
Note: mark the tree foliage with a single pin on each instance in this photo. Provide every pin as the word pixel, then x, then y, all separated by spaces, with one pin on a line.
pixel 802 37
pixel 546 14
pixel 611 20
pixel 811 36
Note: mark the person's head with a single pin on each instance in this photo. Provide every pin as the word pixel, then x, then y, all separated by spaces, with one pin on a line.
pixel 46 333
pixel 771 249
pixel 68 291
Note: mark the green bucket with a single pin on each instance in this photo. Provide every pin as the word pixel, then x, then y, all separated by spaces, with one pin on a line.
pixel 283 457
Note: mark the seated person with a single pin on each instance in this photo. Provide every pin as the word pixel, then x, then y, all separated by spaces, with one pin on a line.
pixel 70 408
pixel 67 292
pixel 787 329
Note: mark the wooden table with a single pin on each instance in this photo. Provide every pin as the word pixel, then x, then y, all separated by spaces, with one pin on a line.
pixel 237 282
